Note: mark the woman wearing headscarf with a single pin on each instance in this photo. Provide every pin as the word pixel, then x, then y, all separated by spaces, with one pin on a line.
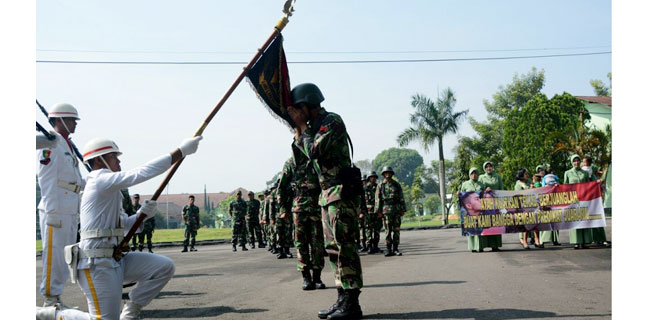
pixel 491 181
pixel 578 237
pixel 522 184
pixel 474 243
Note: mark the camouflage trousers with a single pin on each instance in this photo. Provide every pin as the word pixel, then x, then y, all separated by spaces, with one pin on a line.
pixel 239 232
pixel 273 235
pixel 309 240
pixel 148 234
pixel 189 233
pixel 361 237
pixel 393 223
pixel 255 231
pixel 283 231
pixel 340 227
pixel 373 228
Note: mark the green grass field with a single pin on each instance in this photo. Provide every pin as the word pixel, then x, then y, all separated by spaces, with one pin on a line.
pixel 167 235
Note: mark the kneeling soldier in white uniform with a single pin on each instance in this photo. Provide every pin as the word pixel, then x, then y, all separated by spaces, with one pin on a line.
pixel 103 224
pixel 61 184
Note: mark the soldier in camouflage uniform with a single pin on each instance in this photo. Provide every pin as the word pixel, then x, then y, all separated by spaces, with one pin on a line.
pixel 253 220
pixel 270 214
pixel 148 228
pixel 284 194
pixel 307 218
pixel 389 201
pixel 373 219
pixel 265 220
pixel 192 221
pixel 130 210
pixel 237 211
pixel 363 217
pixel 321 136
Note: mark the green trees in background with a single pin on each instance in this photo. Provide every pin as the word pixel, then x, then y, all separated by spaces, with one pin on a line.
pixel 403 161
pixel 431 121
pixel 600 89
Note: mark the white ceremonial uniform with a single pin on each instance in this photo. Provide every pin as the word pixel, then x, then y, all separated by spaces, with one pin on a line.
pixel 101 278
pixel 61 183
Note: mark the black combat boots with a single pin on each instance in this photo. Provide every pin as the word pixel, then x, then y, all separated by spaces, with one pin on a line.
pixel 243 247
pixel 287 251
pixel 326 312
pixel 317 281
pixel 390 252
pixel 365 248
pixel 307 283
pixel 193 249
pixel 396 250
pixel 184 249
pixel 349 308
pixel 234 248
pixel 261 245
pixel 281 253
pixel 252 245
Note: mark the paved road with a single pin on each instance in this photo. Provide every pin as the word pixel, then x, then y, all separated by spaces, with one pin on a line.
pixel 436 278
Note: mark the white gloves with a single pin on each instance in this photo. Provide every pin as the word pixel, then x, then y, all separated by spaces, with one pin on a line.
pixel 43 142
pixel 149 208
pixel 189 146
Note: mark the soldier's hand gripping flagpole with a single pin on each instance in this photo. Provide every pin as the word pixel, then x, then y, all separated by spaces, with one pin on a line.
pixel 122 247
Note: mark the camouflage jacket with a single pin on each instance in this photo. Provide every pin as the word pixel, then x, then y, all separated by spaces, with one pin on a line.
pixel 253 207
pixel 127 205
pixel 191 217
pixel 325 143
pixel 238 210
pixel 369 193
pixel 305 185
pixel 285 190
pixel 389 198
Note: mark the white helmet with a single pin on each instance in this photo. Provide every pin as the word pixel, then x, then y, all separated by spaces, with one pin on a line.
pixel 63 110
pixel 97 147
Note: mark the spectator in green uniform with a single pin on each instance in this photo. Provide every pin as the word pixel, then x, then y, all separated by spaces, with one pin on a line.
pixel 491 181
pixel 192 223
pixel 474 243
pixel 389 201
pixel 579 238
pixel 237 210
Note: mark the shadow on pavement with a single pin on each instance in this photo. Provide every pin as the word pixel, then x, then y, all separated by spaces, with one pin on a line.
pixel 479 314
pixel 410 284
pixel 171 294
pixel 198 312
pixel 191 275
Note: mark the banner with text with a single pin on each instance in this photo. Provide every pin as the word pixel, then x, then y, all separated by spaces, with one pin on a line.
pixel 564 206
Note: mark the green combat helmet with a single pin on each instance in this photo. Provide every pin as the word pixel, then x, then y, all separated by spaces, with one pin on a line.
pixel 307 93
pixel 373 174
pixel 387 169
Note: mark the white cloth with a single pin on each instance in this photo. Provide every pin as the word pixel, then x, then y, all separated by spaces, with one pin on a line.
pixel 151 272
pixel 58 164
pixel 55 270
pixel 101 208
pixel 60 205
pixel 101 204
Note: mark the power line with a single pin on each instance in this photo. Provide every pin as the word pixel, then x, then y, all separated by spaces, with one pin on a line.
pixel 324 61
pixel 326 52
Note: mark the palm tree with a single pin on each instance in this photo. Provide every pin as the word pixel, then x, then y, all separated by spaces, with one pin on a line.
pixel 431 121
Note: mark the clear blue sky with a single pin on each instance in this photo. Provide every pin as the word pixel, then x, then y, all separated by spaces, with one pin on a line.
pixel 149 109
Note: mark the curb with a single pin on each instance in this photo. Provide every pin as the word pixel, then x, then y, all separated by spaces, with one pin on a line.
pixel 220 241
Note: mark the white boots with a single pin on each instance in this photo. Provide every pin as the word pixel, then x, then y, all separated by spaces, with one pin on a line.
pixel 46 313
pixel 130 311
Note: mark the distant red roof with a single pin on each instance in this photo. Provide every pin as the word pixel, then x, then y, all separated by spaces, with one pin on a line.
pixel 601 100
